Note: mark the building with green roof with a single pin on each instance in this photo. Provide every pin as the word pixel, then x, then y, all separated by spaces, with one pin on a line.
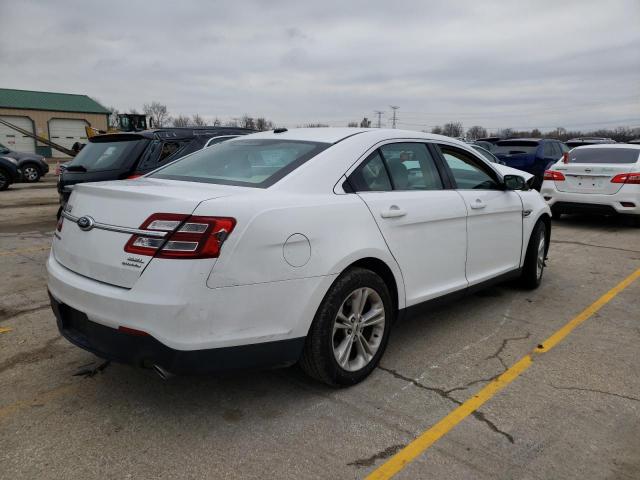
pixel 60 117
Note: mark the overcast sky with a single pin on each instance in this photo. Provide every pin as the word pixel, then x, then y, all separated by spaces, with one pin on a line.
pixel 519 64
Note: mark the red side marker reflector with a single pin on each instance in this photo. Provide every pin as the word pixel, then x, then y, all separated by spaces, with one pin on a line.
pixel 132 331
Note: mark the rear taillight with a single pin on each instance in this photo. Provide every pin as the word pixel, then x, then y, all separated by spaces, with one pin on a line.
pixel 134 176
pixel 627 178
pixel 565 157
pixel 553 175
pixel 187 236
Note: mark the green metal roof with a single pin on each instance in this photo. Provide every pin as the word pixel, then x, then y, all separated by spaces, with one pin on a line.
pixel 59 102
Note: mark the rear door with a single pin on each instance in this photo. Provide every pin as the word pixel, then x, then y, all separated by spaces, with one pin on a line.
pixel 423 223
pixel 494 222
pixel 591 169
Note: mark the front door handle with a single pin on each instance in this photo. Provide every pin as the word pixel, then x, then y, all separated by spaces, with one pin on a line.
pixel 477 204
pixel 393 211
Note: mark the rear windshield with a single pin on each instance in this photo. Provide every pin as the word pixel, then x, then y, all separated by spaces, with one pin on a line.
pixel 98 156
pixel 604 155
pixel 250 163
pixel 514 148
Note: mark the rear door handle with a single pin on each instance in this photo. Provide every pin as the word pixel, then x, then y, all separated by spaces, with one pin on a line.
pixel 393 211
pixel 477 204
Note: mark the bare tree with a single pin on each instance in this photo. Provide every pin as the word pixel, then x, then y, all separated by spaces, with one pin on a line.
pixel 352 124
pixel 263 124
pixel 216 122
pixel 506 133
pixel 247 122
pixel 315 125
pixel 198 121
pixel 476 132
pixel 232 123
pixel 365 123
pixel 453 129
pixel 158 113
pixel 114 120
pixel 181 121
pixel 437 130
pixel 535 133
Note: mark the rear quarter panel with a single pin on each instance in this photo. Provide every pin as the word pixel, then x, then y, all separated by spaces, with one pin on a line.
pixel 339 230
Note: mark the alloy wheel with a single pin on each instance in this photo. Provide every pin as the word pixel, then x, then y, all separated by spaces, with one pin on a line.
pixel 540 257
pixel 31 174
pixel 358 329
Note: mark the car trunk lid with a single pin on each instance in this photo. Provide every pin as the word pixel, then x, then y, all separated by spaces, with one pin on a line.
pixel 117 208
pixel 590 170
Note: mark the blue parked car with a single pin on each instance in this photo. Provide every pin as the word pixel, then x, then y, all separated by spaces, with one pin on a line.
pixel 533 155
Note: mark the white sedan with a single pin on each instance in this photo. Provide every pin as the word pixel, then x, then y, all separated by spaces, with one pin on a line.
pixel 288 246
pixel 602 179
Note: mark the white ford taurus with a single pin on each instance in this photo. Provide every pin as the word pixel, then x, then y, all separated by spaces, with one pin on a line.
pixel 288 246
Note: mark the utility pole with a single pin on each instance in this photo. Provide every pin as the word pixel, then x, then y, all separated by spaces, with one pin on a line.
pixel 379 114
pixel 393 120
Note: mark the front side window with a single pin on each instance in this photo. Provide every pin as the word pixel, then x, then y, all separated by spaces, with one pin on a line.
pixel 251 163
pixel 468 171
pixel 411 166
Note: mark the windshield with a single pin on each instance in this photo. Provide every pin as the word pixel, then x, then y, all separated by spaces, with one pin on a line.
pixel 250 163
pixel 514 148
pixel 98 156
pixel 604 155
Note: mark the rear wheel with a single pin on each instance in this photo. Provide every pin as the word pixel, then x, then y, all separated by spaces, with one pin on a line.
pixel 5 179
pixel 534 260
pixel 350 330
pixel 31 173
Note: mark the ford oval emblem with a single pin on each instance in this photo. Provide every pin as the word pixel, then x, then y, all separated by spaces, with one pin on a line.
pixel 86 223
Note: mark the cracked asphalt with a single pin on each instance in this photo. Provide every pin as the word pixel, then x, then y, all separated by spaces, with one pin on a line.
pixel 575 413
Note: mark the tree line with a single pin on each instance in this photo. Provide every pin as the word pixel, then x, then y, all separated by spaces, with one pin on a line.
pixel 160 117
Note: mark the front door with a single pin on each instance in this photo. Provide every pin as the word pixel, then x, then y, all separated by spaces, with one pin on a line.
pixel 494 221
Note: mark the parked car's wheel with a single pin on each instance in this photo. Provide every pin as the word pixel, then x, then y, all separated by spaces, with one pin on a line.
pixel 31 172
pixel 350 330
pixel 5 179
pixel 535 257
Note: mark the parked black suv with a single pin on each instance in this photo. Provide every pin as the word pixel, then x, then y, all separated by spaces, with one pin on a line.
pixel 9 172
pixel 33 166
pixel 116 156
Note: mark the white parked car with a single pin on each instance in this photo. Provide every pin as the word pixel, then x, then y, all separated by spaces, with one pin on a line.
pixel 288 246
pixel 601 179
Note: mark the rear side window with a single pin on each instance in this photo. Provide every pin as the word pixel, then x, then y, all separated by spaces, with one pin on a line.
pixel 411 166
pixel 250 163
pixel 371 175
pixel 604 155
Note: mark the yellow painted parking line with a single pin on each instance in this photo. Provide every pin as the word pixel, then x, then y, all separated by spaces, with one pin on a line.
pixel 418 446
pixel 24 250
pixel 5 329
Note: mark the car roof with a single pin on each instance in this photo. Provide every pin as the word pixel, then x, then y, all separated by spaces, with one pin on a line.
pixel 524 139
pixel 172 132
pixel 337 134
pixel 609 145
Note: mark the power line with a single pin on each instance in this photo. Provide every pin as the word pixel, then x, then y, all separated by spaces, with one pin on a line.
pixel 394 108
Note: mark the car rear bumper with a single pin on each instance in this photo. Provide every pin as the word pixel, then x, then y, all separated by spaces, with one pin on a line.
pixel 181 314
pixel 146 351
pixel 618 203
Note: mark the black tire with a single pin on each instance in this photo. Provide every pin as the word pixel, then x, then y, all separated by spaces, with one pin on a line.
pixel 318 358
pixel 532 271
pixel 5 179
pixel 30 172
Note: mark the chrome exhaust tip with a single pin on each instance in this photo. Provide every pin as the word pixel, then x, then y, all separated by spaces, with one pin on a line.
pixel 162 373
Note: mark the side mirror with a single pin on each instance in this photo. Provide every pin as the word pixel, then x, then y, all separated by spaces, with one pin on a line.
pixel 514 182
